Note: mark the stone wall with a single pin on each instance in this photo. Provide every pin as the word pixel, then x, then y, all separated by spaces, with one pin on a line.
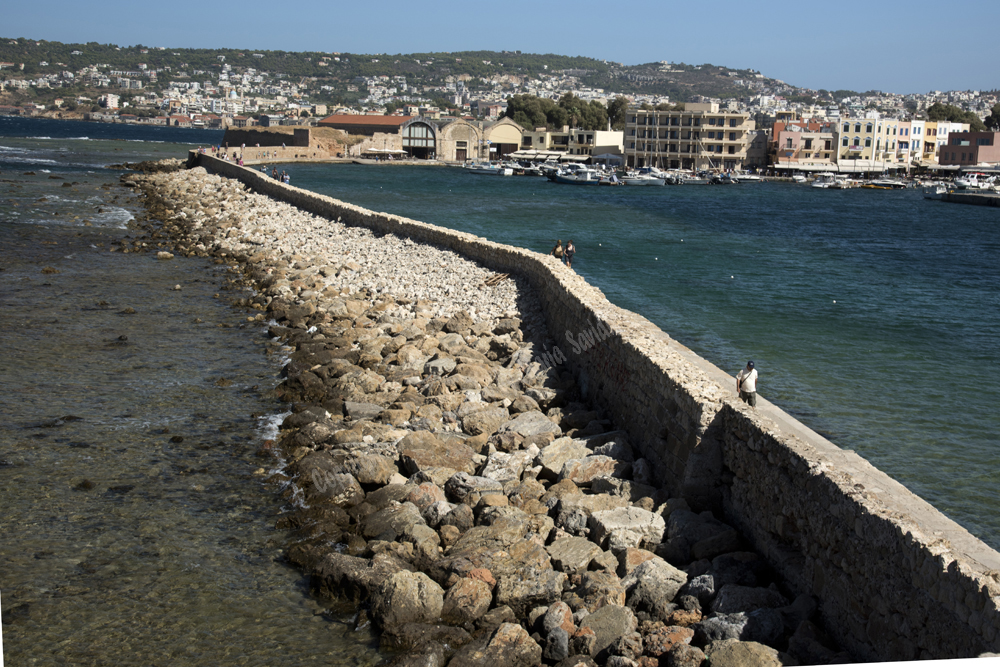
pixel 235 137
pixel 895 578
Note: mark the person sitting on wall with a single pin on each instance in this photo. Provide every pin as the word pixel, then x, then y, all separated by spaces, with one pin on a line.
pixel 557 252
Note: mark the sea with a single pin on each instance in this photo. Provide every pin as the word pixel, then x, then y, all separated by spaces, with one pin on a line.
pixel 136 528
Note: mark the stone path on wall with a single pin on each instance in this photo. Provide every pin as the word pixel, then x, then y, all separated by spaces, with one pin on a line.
pixel 452 485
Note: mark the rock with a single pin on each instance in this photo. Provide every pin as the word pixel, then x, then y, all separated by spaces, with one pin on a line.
pixel 460 323
pixel 619 529
pixel 556 645
pixel 424 495
pixel 652 586
pixel 528 424
pixel 572 554
pixel 627 646
pixel 485 421
pixel 422 450
pixel 701 587
pixel 406 597
pixel 600 588
pixel 358 411
pixel 466 601
pixel 608 624
pixel 440 366
pixel 631 491
pixel 506 467
pixel 743 568
pixel 631 558
pixel 468 489
pixel 509 645
pixel 583 471
pixel 391 523
pixel 523 404
pixel 460 517
pixel 762 625
pixel 559 615
pixel 553 457
pixel 667 639
pixel 528 588
pixel 347 577
pixel 370 468
pixel 744 654
pixel 733 598
pixel 685 656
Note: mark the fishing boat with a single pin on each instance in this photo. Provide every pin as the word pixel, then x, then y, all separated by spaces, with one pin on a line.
pixel 485 169
pixel 935 191
pixel 642 179
pixel 580 175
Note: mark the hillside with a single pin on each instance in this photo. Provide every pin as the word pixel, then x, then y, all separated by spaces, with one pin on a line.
pixel 336 71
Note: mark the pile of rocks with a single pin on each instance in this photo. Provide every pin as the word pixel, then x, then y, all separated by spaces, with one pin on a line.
pixel 453 486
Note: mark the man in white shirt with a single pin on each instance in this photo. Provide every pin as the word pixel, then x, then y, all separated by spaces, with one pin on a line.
pixel 746 385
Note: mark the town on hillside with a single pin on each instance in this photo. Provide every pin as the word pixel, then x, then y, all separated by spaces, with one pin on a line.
pixel 491 105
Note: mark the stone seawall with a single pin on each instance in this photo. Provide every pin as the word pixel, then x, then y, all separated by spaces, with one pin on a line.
pixel 896 579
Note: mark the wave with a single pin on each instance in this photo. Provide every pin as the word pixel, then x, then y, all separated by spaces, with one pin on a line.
pixel 27 160
pixel 62 138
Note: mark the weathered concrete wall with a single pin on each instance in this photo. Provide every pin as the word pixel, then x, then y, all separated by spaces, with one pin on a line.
pixel 896 579
pixel 299 138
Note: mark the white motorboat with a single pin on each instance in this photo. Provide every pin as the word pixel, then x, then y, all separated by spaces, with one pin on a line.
pixel 799 178
pixel 824 180
pixel 744 177
pixel 576 174
pixel 973 181
pixel 484 169
pixel 642 179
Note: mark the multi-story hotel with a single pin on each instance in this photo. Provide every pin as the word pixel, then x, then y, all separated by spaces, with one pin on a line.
pixel 699 137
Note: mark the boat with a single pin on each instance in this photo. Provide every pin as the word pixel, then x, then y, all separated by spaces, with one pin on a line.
pixel 935 191
pixel 485 168
pixel 973 181
pixel 824 180
pixel 799 178
pixel 724 179
pixel 642 179
pixel 886 184
pixel 584 177
pixel 843 183
pixel 744 177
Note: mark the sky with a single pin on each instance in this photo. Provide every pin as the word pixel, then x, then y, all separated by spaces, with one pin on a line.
pixel 911 46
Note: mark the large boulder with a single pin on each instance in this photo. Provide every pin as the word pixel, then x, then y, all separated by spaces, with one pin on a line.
pixel 572 554
pixel 421 450
pixel 510 645
pixel 553 456
pixel 528 424
pixel 526 589
pixel 619 529
pixel 406 597
pixel 504 467
pixel 584 471
pixel 466 601
pixel 485 421
pixel 652 586
pixel 744 654
pixel 608 624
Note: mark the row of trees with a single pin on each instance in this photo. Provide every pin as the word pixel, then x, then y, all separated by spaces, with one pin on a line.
pixel 951 113
pixel 530 112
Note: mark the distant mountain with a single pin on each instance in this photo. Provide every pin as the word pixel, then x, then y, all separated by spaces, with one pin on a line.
pixel 338 70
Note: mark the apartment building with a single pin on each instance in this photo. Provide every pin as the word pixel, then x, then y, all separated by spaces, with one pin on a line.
pixel 804 146
pixel 698 137
pixel 970 149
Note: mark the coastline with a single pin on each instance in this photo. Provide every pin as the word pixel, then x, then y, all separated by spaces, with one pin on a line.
pixel 737 419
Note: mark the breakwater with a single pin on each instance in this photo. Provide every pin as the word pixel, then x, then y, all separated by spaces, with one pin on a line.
pixel 895 579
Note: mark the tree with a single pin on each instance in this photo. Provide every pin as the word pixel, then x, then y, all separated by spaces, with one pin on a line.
pixel 617 109
pixel 993 120
pixel 304 113
pixel 951 113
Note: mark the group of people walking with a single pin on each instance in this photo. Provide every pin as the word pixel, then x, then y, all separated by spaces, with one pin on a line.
pixel 564 254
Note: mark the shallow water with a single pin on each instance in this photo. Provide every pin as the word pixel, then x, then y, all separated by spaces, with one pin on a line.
pixel 134 528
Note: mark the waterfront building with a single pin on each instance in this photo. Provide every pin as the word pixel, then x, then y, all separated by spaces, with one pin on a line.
pixel 804 146
pixel 970 149
pixel 698 137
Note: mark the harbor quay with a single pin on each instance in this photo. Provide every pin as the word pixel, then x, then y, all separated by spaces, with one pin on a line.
pixel 621 504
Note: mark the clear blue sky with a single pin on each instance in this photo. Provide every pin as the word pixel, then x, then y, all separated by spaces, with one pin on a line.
pixel 899 46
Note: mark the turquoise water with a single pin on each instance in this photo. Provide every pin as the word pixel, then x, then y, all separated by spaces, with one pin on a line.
pixel 872 315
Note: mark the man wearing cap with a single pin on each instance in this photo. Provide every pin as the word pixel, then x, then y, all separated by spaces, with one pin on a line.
pixel 746 385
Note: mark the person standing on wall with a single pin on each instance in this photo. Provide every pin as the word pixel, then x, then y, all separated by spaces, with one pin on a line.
pixel 557 252
pixel 569 252
pixel 746 385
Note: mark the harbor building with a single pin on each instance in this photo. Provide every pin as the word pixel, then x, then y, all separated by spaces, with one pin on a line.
pixel 698 137
pixel 971 149
pixel 805 146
